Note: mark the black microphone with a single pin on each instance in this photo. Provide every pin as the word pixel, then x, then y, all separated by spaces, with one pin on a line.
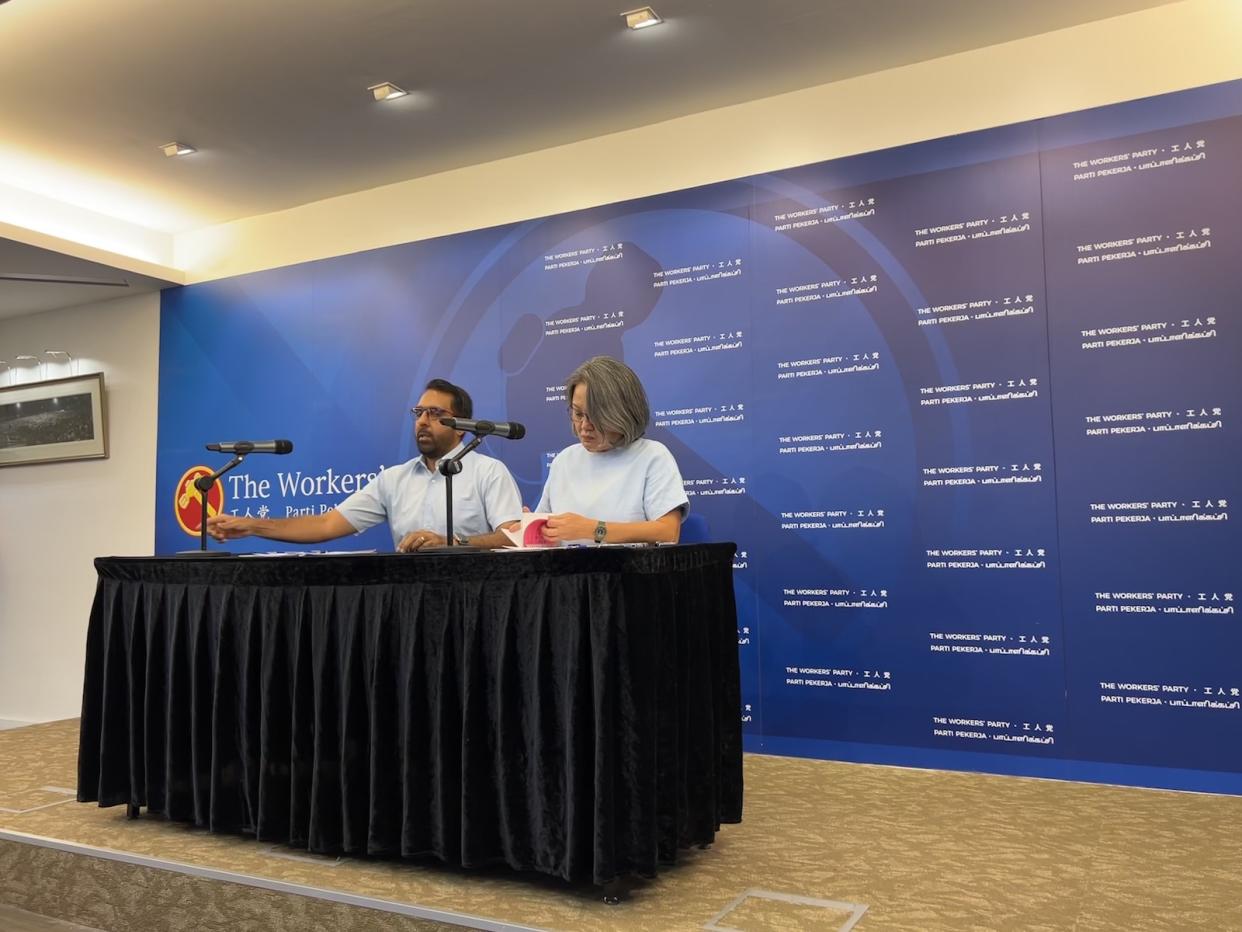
pixel 509 429
pixel 252 446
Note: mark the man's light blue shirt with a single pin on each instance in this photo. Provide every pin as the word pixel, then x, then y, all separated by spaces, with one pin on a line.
pixel 638 482
pixel 410 497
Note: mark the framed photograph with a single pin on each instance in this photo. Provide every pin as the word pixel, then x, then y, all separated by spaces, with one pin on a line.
pixel 47 422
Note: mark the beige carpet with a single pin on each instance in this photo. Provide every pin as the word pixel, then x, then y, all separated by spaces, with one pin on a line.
pixel 19 920
pixel 922 850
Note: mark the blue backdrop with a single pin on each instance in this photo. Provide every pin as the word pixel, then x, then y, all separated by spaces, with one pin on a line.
pixel 969 409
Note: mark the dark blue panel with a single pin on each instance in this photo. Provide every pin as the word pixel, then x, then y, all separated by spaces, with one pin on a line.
pixel 969 409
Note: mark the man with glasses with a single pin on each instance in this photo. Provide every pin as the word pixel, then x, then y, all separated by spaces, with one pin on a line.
pixel 410 497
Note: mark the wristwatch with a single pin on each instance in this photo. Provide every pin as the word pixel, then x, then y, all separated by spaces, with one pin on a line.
pixel 461 541
pixel 601 531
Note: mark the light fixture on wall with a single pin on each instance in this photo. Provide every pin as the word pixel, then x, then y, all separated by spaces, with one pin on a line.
pixel 174 149
pixel 386 91
pixel 642 18
pixel 60 357
pixel 35 361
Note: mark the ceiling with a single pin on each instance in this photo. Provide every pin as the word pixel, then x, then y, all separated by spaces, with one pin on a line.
pixel 273 93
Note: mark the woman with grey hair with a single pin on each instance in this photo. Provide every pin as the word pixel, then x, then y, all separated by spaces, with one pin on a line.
pixel 614 485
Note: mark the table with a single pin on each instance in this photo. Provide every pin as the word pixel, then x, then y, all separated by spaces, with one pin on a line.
pixel 574 712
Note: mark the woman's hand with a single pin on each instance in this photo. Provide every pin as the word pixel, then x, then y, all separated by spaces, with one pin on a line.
pixel 569 526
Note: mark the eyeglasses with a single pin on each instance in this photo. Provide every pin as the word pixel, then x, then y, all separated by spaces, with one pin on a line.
pixel 578 416
pixel 434 413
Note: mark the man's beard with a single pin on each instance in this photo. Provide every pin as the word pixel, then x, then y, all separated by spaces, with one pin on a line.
pixel 427 446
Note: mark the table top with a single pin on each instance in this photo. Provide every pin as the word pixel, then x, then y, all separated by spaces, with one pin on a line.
pixel 364 568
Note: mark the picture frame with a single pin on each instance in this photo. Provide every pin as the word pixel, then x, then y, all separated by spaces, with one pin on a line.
pixel 53 421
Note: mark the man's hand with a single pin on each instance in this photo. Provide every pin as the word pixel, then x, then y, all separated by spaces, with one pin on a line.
pixel 229 527
pixel 417 540
pixel 569 526
pixel 300 529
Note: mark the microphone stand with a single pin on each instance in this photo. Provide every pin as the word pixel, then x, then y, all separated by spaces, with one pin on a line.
pixel 448 469
pixel 204 484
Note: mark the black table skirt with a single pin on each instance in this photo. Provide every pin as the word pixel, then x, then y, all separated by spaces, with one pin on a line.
pixel 575 712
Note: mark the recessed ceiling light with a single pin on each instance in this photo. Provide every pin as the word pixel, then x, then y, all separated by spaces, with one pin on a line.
pixel 642 18
pixel 174 149
pixel 386 91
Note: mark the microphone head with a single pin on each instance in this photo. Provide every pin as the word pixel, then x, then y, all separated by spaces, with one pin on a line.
pixel 283 446
pixel 516 431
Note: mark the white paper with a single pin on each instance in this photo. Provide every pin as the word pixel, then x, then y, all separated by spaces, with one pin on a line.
pixel 528 538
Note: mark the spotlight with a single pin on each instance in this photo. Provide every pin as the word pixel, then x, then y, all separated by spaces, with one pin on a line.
pixel 174 149
pixel 386 91
pixel 642 18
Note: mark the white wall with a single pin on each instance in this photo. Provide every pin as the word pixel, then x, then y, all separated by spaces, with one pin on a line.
pixel 55 518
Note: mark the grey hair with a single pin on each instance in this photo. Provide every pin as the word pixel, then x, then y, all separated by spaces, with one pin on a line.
pixel 616 401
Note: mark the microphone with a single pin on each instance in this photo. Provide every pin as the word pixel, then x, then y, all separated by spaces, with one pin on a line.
pixel 242 447
pixel 511 430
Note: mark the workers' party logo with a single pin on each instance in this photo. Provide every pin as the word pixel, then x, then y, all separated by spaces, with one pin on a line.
pixel 187 500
